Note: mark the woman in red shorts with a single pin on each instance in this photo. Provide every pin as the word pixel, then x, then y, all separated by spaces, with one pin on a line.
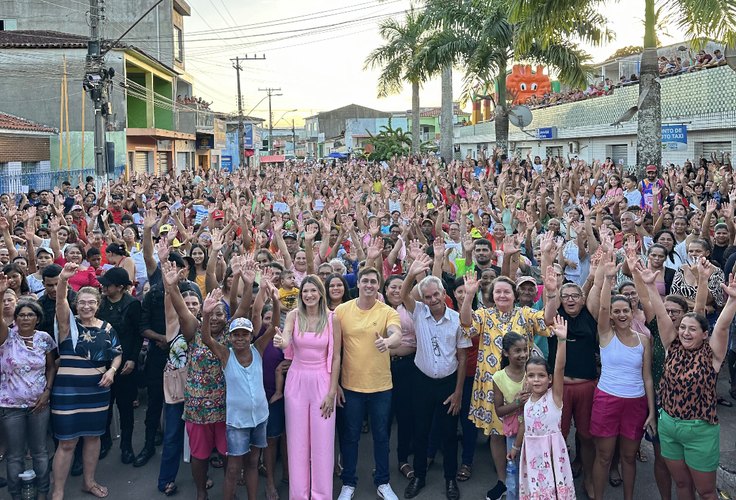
pixel 623 404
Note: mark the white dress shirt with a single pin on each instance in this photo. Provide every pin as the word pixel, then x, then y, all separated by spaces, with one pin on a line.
pixel 438 341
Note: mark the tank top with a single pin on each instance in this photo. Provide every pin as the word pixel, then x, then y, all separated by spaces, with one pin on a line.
pixel 621 369
pixel 246 404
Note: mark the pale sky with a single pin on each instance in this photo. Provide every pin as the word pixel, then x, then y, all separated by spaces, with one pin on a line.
pixel 322 70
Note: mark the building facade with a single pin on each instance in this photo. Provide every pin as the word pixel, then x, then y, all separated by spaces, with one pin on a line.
pixel 698 118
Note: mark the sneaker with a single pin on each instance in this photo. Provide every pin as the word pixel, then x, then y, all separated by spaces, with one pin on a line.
pixel 497 492
pixel 346 493
pixel 384 491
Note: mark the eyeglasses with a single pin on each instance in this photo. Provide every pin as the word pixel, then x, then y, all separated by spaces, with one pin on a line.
pixel 674 312
pixel 572 296
pixel 86 302
pixel 436 347
pixel 26 315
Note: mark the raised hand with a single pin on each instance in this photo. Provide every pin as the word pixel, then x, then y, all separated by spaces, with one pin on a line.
pixel 249 269
pixel 471 283
pixel 217 240
pixel 170 273
pixel 70 269
pixel 711 206
pixel 375 248
pixel 648 276
pixel 559 327
pixel 705 268
pixel 150 219
pixel 422 263
pixel 511 245
pixel 212 300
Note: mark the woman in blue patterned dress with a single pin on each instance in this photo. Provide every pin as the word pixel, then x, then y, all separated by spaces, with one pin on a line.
pixel 80 398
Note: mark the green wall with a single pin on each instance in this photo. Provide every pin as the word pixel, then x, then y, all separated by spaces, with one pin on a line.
pixel 163 117
pixel 136 106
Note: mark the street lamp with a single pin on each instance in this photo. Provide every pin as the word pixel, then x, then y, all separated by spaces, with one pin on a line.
pixel 270 145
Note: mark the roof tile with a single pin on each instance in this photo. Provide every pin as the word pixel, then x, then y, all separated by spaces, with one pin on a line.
pixel 10 122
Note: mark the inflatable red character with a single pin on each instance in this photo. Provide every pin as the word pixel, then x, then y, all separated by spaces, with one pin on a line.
pixel 522 83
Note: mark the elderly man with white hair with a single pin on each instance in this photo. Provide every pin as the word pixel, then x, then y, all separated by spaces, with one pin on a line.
pixel 440 359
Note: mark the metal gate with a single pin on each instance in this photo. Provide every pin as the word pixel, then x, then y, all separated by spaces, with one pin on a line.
pixel 620 154
pixel 142 164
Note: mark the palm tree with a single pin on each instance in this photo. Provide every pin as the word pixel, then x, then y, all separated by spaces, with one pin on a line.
pixel 485 40
pixel 700 20
pixel 398 59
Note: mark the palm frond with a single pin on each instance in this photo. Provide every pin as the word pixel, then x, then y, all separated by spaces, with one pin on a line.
pixel 702 19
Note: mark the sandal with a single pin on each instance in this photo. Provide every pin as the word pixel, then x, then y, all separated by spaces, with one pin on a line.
pixel 209 484
pixel 217 462
pixel 171 489
pixel 724 402
pixel 641 457
pixel 615 481
pixel 407 470
pixel 464 473
pixel 96 491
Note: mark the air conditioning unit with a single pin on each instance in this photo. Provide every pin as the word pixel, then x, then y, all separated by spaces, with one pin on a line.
pixel 574 147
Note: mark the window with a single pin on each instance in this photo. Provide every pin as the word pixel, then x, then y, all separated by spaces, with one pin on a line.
pixel 8 24
pixel 178 45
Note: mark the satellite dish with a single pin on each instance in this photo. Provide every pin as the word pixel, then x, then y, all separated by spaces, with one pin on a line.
pixel 520 116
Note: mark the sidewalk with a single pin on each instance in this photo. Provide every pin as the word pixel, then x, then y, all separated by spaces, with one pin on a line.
pixel 727 419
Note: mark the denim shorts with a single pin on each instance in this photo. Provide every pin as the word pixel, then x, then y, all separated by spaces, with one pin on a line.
pixel 276 419
pixel 239 441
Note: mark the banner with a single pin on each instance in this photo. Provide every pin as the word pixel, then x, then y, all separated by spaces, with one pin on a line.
pixel 674 137
pixel 248 136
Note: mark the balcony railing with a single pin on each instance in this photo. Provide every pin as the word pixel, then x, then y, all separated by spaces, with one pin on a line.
pixel 16 182
pixel 190 120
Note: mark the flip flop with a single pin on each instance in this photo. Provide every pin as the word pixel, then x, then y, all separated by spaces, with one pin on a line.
pixel 97 491
pixel 209 484
pixel 641 457
pixel 615 481
pixel 464 473
pixel 171 489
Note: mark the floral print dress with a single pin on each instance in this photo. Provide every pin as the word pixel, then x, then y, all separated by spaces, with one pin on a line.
pixel 544 466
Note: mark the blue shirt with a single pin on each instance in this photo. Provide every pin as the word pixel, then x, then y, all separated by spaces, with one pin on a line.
pixel 246 404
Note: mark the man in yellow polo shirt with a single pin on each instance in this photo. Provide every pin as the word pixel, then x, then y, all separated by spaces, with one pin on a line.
pixel 369 329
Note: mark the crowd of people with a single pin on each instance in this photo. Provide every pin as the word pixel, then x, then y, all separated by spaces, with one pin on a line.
pixel 667 66
pixel 297 307
pixel 197 102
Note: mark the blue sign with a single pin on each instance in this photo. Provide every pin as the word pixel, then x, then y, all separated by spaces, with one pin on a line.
pixel 226 163
pixel 674 137
pixel 248 136
pixel 547 133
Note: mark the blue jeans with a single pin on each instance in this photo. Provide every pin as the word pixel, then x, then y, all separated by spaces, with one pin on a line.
pixel 173 445
pixel 378 405
pixel 26 430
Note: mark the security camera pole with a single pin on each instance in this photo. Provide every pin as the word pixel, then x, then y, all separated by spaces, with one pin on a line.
pixel 98 82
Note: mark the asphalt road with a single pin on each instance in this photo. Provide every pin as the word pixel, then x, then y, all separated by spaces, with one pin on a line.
pixel 128 483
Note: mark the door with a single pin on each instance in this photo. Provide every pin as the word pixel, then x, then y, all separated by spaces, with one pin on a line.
pixel 141 162
pixel 620 154
pixel 715 147
pixel 163 162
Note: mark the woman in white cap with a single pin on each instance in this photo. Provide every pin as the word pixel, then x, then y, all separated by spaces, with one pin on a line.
pixel 246 404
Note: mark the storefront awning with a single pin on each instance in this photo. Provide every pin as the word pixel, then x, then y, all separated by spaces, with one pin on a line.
pixel 272 159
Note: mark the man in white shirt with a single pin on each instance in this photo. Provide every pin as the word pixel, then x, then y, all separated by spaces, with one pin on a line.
pixel 438 388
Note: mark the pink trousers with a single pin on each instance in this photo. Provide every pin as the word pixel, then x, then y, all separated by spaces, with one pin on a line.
pixel 311 438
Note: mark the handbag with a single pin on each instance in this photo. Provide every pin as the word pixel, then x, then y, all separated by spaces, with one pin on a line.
pixel 174 382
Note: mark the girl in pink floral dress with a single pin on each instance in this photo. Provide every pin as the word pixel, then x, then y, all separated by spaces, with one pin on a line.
pixel 544 466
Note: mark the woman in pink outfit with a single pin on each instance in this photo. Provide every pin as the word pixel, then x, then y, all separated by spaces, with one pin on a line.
pixel 311 339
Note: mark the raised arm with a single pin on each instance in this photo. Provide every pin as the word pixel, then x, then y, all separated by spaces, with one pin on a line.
pixel 471 289
pixel 719 339
pixel 211 274
pixel 560 331
pixel 149 221
pixel 604 307
pixel 246 301
pixel 63 312
pixel 3 326
pixel 210 303
pixel 188 322
pixel 273 329
pixel 552 299
pixel 421 265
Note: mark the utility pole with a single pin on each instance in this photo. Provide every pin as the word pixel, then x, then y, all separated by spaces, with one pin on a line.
pixel 241 128
pixel 293 136
pixel 94 83
pixel 270 92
